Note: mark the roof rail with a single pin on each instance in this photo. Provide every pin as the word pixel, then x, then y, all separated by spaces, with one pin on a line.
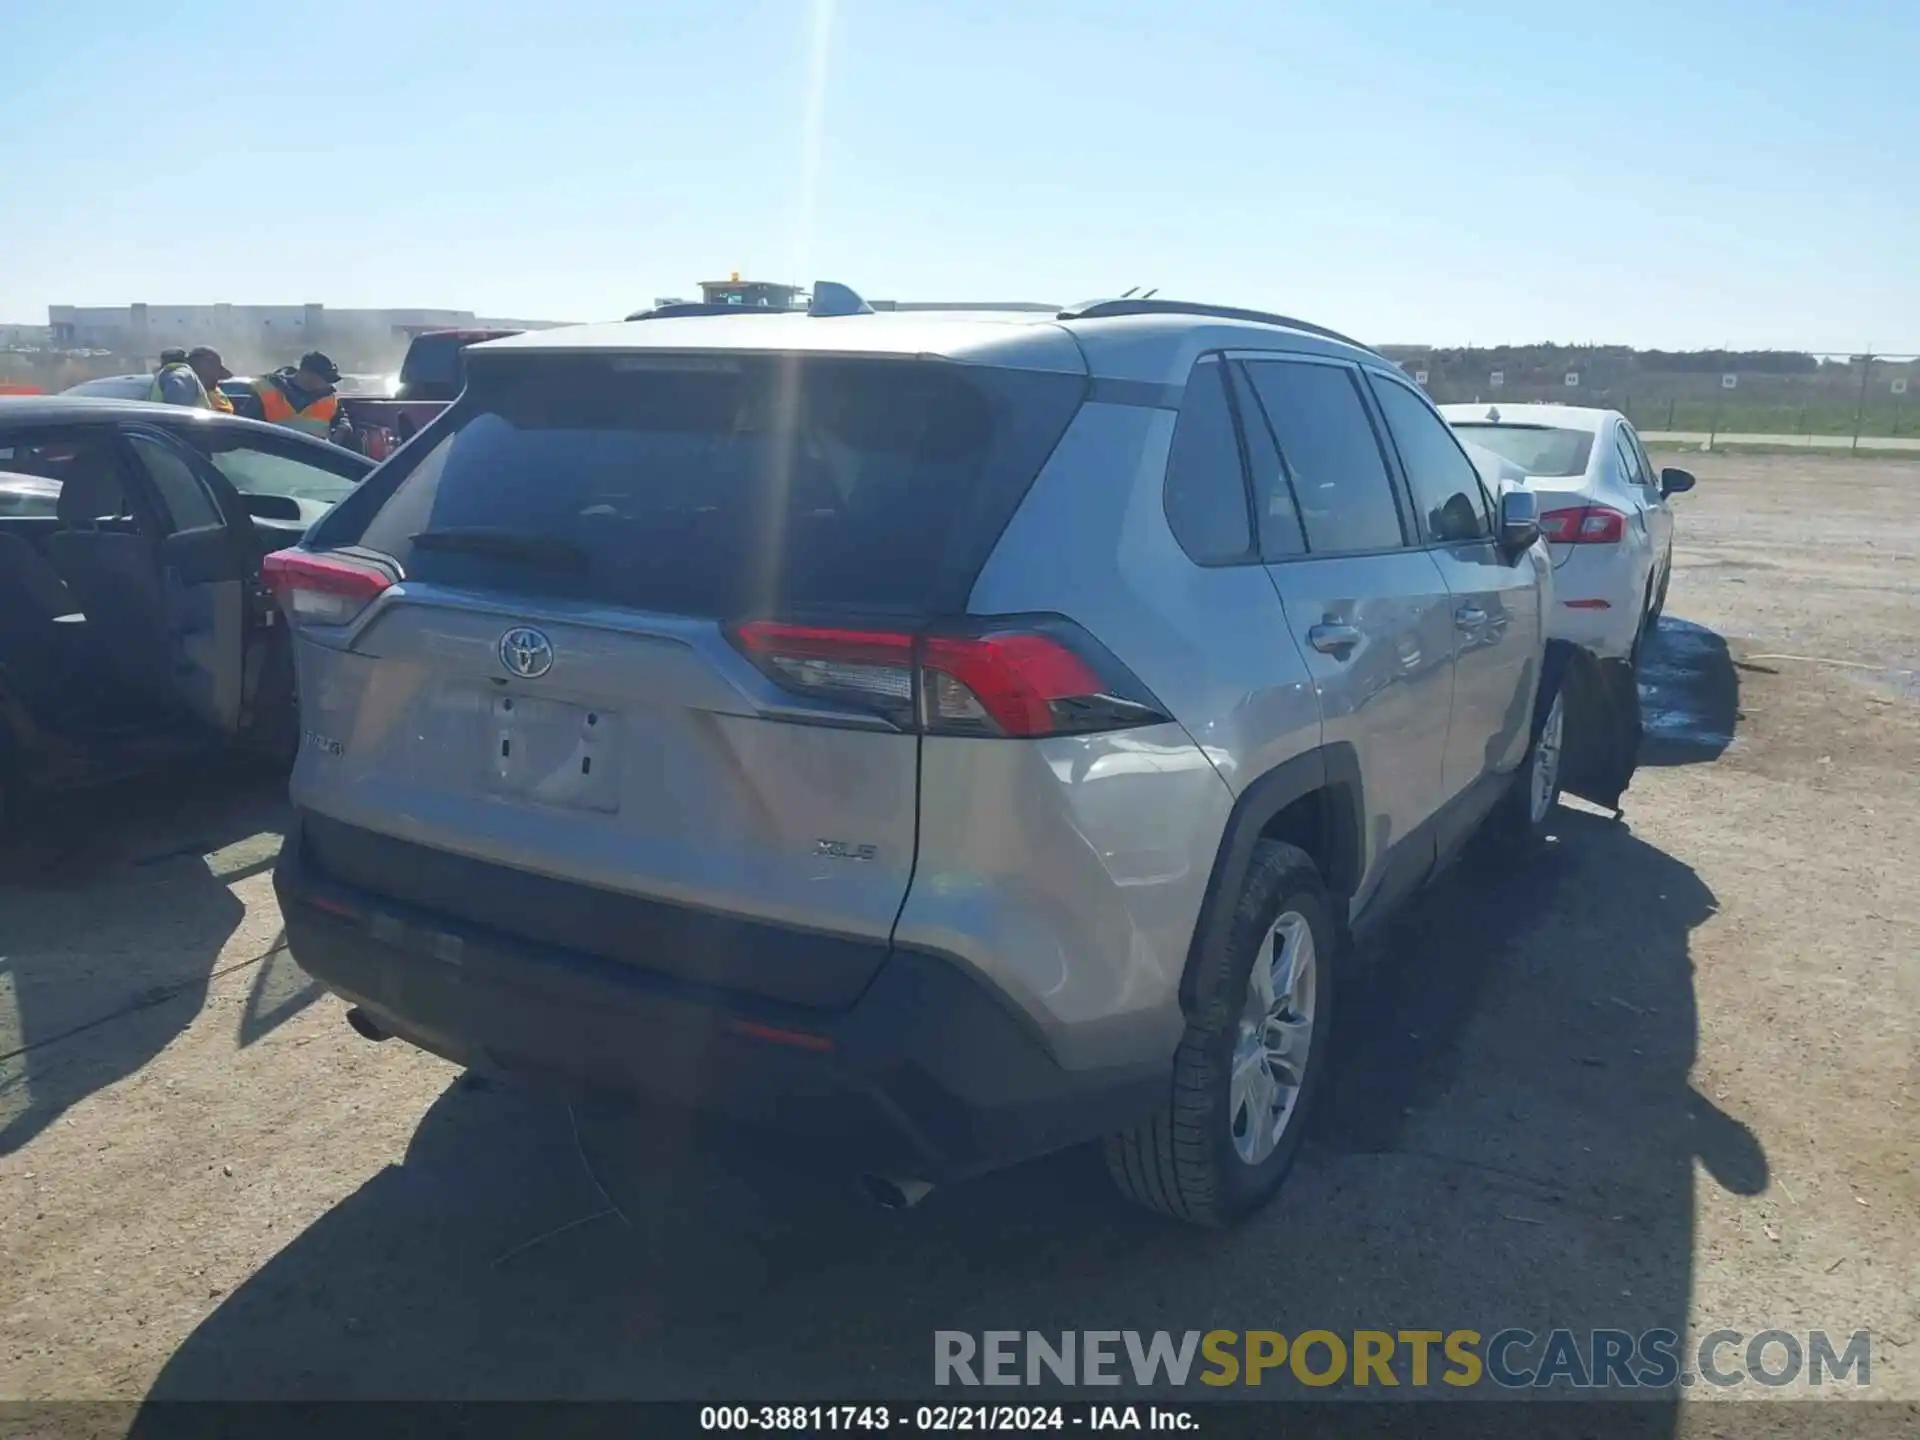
pixel 963 307
pixel 1106 309
pixel 682 308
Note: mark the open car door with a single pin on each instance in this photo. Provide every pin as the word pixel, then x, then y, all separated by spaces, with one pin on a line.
pixel 206 564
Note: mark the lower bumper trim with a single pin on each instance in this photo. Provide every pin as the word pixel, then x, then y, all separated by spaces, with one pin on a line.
pixel 926 1074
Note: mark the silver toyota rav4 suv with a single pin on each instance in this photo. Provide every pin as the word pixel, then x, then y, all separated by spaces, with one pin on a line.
pixel 947 739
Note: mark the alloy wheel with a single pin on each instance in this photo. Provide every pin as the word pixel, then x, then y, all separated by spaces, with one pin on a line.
pixel 1273 1038
pixel 1546 762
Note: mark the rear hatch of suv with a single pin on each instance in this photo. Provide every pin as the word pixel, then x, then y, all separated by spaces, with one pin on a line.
pixel 578 669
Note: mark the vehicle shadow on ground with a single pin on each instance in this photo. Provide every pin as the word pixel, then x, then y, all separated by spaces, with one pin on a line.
pixel 1689 694
pixel 111 924
pixel 1509 1140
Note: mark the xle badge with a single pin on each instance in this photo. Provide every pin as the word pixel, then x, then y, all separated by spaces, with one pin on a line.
pixel 844 850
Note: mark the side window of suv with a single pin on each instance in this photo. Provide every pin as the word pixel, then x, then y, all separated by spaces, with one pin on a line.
pixel 1446 487
pixel 1274 508
pixel 1206 492
pixel 1340 481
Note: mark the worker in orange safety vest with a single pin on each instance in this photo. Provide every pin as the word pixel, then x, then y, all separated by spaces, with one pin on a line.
pixel 302 397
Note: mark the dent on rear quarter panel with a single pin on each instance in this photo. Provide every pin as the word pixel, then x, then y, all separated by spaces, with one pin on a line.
pixel 1069 874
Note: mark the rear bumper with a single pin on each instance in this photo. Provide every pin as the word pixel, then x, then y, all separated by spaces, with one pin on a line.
pixel 1583 576
pixel 1609 634
pixel 927 1074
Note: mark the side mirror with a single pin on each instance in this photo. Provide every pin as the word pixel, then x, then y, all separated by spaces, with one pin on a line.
pixel 1519 522
pixel 271 507
pixel 1674 481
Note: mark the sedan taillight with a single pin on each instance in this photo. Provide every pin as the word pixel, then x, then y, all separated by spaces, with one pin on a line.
pixel 1583 525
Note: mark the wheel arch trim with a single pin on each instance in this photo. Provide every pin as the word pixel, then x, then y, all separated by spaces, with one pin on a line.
pixel 1331 770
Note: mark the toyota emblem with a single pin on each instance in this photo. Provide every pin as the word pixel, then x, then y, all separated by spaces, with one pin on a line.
pixel 526 652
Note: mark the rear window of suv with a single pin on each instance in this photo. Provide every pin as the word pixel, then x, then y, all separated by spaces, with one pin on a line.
pixel 720 485
pixel 1537 449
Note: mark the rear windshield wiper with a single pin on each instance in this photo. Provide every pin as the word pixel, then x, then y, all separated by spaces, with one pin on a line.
pixel 545 552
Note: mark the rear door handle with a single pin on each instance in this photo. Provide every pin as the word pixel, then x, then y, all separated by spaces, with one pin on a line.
pixel 1334 639
pixel 1469 617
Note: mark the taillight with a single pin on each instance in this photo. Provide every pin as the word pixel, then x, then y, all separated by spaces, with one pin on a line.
pixel 869 668
pixel 1583 525
pixel 320 589
pixel 1010 679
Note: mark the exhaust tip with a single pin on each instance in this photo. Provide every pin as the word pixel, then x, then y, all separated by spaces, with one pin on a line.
pixel 894 1194
pixel 363 1026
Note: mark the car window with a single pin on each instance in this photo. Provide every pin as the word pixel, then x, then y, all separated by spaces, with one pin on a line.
pixel 1541 450
pixel 1629 464
pixel 1446 487
pixel 432 369
pixel 1495 470
pixel 27 494
pixel 189 505
pixel 1274 508
pixel 253 469
pixel 33 472
pixel 1206 498
pixel 114 387
pixel 1649 477
pixel 1332 456
pixel 720 487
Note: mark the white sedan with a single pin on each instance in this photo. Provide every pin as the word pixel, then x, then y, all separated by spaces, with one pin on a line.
pixel 1603 513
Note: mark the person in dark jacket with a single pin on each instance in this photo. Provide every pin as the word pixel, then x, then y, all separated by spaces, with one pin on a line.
pixel 302 397
pixel 175 383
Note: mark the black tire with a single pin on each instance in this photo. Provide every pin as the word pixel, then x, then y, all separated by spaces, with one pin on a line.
pixel 1515 821
pixel 275 737
pixel 1660 600
pixel 275 742
pixel 1183 1161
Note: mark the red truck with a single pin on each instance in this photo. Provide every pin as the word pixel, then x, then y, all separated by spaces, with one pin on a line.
pixel 430 377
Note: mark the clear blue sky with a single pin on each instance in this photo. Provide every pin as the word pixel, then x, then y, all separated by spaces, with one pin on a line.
pixel 1686 173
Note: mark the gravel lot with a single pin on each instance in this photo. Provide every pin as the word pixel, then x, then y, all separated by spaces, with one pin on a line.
pixel 1667 1076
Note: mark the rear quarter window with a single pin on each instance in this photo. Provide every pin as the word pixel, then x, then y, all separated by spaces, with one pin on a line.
pixel 1206 488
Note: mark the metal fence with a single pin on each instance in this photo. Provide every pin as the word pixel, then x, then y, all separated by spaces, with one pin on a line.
pixel 1836 401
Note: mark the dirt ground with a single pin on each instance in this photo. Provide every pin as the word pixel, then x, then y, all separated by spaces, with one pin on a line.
pixel 1665 1077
